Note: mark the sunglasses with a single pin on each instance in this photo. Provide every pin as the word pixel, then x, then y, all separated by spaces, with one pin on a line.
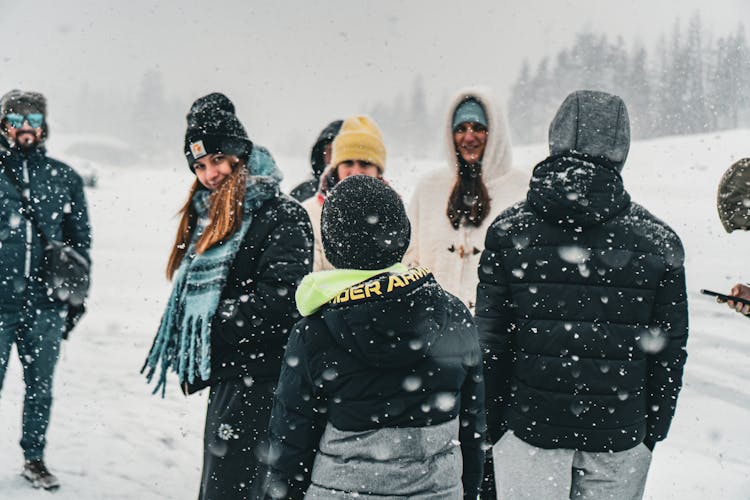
pixel 16 120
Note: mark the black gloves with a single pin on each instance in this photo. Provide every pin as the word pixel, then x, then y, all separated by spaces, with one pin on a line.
pixel 75 313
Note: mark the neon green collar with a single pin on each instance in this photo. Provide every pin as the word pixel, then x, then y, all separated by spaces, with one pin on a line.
pixel 320 287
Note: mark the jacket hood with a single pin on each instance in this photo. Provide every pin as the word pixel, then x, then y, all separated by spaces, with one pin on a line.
pixel 391 320
pixel 576 190
pixel 318 288
pixel 593 123
pixel 317 163
pixel 498 157
pixel 733 197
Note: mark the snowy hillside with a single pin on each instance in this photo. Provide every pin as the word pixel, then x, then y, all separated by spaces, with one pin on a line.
pixel 111 439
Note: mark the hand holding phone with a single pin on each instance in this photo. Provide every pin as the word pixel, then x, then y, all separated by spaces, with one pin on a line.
pixel 725 298
pixel 743 291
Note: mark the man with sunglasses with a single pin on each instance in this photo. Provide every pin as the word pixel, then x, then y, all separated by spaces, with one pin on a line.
pixel 38 195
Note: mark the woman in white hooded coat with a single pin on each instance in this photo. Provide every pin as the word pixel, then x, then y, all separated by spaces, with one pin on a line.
pixel 452 207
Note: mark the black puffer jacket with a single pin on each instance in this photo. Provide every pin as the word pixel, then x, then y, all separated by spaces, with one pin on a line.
pixel 257 310
pixel 60 207
pixel 405 364
pixel 582 313
pixel 308 188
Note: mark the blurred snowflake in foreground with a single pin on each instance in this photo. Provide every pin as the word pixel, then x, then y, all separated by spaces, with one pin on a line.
pixel 226 432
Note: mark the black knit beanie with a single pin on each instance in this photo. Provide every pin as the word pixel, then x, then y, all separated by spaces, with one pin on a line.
pixel 364 224
pixel 214 128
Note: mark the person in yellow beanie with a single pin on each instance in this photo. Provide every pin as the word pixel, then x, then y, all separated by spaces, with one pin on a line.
pixel 358 149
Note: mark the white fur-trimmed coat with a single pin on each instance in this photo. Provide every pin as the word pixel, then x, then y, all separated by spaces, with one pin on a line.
pixel 453 254
pixel 314 208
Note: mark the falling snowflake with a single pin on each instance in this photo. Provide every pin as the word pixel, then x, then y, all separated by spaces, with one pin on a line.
pixel 226 432
pixel 412 383
pixel 445 401
pixel 574 254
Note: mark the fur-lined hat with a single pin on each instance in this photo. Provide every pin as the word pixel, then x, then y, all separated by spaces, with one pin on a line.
pixel 733 198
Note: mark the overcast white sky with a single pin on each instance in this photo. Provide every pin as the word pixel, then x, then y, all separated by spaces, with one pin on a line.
pixel 291 66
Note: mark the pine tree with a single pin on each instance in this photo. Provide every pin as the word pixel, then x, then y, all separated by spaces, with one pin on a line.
pixel 694 114
pixel 638 94
pixel 720 87
pixel 541 104
pixel 742 58
pixel 150 115
pixel 693 83
pixel 676 86
pixel 421 128
pixel 567 73
pixel 520 112
pixel 616 68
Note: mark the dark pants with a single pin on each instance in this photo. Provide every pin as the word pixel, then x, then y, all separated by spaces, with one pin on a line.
pixel 234 443
pixel 37 334
pixel 488 481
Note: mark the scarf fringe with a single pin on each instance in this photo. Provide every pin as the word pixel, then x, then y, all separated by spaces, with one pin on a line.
pixel 183 340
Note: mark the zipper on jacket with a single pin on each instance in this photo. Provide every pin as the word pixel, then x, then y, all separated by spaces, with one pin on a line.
pixel 26 193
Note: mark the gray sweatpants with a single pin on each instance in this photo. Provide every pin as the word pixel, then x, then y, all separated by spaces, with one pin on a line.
pixel 524 471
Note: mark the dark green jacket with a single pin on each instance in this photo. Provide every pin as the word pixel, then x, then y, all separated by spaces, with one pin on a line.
pixel 56 191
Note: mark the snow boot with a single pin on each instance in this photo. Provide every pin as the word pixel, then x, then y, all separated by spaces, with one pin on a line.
pixel 39 476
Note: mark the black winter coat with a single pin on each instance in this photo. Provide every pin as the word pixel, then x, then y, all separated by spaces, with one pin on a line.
pixel 307 189
pixel 58 201
pixel 582 313
pixel 380 362
pixel 257 307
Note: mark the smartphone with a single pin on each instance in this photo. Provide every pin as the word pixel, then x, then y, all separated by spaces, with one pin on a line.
pixel 725 297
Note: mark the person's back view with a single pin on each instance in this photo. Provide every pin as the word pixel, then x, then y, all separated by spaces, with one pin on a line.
pixel 381 394
pixel 582 312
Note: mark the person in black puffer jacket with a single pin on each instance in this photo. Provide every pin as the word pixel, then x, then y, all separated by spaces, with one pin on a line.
pixel 381 392
pixel 582 313
pixel 241 249
pixel 320 156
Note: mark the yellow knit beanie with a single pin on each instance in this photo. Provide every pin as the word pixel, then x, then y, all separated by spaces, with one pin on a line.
pixel 359 139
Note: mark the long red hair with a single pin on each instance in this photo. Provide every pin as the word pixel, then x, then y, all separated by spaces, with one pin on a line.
pixel 225 216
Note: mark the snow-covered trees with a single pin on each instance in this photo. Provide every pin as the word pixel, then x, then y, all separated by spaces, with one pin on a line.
pixel 692 83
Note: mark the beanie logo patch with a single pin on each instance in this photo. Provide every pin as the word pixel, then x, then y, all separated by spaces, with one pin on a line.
pixel 198 149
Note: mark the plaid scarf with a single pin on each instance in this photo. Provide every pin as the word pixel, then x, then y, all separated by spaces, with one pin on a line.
pixel 183 341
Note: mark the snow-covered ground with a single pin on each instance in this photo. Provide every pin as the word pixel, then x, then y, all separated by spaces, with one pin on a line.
pixel 111 439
